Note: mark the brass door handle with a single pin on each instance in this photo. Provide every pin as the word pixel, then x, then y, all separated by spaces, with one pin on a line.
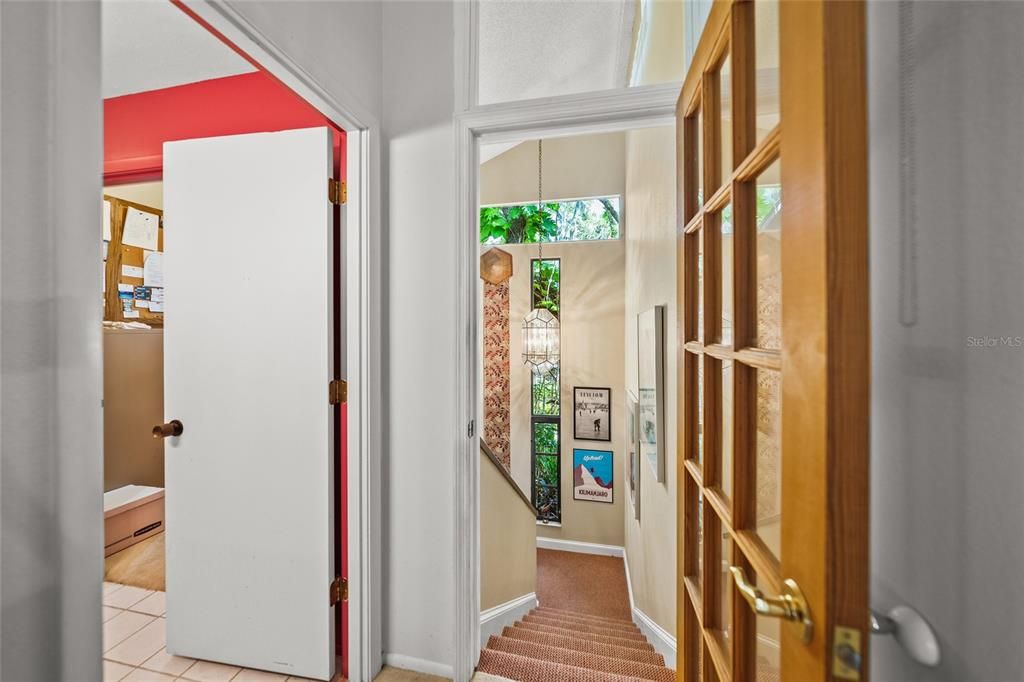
pixel 790 605
pixel 171 428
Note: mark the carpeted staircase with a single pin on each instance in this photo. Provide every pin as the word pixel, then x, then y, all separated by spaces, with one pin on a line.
pixel 551 645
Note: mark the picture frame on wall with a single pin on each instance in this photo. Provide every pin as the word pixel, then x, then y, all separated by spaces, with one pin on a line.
pixel 592 413
pixel 593 475
pixel 634 453
pixel 651 388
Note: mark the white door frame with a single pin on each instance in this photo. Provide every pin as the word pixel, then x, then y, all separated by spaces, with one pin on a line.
pixel 361 306
pixel 595 112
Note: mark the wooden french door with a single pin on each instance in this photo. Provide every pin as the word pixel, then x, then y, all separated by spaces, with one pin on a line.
pixel 773 310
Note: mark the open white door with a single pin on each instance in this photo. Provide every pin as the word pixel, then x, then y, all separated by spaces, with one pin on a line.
pixel 247 360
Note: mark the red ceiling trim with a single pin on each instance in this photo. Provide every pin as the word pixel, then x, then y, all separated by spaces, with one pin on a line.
pixel 136 126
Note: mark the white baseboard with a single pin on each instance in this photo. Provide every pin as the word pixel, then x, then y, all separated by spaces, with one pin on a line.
pixel 582 547
pixel 660 639
pixel 629 581
pixel 494 620
pixel 418 665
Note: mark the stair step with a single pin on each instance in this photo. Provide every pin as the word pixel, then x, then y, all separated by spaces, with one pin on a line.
pixel 572 617
pixel 585 627
pixel 582 659
pixel 526 669
pixel 570 622
pixel 590 646
pixel 569 632
pixel 581 614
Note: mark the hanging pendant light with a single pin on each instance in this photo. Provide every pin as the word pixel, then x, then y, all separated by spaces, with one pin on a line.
pixel 541 332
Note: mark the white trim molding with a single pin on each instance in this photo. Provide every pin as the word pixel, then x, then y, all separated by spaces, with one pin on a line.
pixel 660 639
pixel 581 547
pixel 494 620
pixel 594 112
pixel 663 642
pixel 418 665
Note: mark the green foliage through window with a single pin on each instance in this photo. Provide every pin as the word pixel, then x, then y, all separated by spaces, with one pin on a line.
pixel 769 203
pixel 546 390
pixel 546 488
pixel 555 221
pixel 546 281
pixel 545 438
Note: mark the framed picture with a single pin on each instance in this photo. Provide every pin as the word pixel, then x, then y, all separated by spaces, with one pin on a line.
pixel 592 474
pixel 651 384
pixel 592 413
pixel 634 453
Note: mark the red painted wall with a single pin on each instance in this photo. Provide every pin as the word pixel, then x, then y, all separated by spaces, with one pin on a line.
pixel 136 126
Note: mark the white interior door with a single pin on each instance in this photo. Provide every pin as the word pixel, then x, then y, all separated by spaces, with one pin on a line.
pixel 247 360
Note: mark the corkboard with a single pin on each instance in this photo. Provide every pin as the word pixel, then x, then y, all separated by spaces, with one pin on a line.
pixel 118 255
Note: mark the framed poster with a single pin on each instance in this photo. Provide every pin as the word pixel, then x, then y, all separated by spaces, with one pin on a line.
pixel 592 473
pixel 651 384
pixel 634 453
pixel 592 413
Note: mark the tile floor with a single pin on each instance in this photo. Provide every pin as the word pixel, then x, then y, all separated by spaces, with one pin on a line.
pixel 134 630
pixel 133 647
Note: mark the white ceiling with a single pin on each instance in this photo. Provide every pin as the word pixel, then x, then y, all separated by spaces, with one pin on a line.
pixel 151 44
pixel 540 48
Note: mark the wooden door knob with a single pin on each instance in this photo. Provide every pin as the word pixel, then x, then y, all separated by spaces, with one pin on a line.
pixel 171 428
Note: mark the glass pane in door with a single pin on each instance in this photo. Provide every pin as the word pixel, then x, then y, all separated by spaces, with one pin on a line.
pixel 769 459
pixel 767 655
pixel 766 63
pixel 769 258
pixel 725 599
pixel 700 409
pixel 725 125
pixel 727 419
pixel 726 284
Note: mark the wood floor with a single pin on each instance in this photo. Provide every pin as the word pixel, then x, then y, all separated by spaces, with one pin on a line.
pixel 140 565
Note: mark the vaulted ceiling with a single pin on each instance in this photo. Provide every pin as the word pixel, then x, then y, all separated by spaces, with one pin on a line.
pixel 152 44
pixel 540 48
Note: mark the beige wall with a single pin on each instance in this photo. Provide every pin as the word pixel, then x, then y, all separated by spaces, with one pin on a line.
pixel 574 167
pixel 651 280
pixel 660 56
pixel 508 540
pixel 592 318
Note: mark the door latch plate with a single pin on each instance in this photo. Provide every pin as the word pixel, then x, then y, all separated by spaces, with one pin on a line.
pixel 846 653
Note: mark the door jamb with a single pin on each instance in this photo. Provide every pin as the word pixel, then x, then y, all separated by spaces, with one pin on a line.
pixel 361 357
pixel 595 112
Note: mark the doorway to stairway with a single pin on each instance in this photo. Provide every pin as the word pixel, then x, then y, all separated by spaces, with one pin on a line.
pixel 574 494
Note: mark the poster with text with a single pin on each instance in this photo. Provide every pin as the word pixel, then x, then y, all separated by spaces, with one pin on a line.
pixel 592 473
pixel 592 413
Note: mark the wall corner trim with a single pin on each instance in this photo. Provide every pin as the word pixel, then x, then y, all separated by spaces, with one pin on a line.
pixel 581 547
pixel 419 665
pixel 494 620
pixel 659 637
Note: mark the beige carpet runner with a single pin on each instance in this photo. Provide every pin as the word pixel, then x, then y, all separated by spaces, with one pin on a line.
pixel 550 645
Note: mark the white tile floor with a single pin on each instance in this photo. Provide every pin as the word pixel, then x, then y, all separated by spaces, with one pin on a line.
pixel 134 632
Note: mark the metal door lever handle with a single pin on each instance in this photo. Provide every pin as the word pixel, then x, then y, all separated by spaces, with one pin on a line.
pixel 911 631
pixel 790 605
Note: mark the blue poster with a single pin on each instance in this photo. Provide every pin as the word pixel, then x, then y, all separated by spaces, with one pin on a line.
pixel 592 474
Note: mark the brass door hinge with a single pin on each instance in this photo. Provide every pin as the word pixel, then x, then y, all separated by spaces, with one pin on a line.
pixel 337 392
pixel 339 590
pixel 337 191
